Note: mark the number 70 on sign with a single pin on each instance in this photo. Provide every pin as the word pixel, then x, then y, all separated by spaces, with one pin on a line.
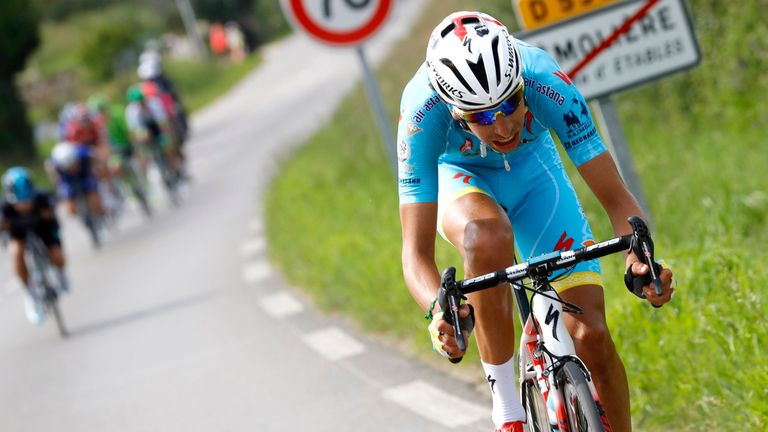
pixel 533 14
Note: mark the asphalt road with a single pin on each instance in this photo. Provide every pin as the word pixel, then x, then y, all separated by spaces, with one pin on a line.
pixel 180 324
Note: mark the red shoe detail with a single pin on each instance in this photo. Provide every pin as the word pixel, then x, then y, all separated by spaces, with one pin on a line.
pixel 511 427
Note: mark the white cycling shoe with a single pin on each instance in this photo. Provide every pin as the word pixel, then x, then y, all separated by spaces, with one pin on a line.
pixel 34 308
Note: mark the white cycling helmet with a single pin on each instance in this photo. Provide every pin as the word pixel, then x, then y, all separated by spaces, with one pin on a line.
pixel 64 155
pixel 148 70
pixel 473 61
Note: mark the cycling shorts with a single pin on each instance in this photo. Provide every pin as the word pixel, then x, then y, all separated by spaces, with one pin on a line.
pixel 539 200
pixel 70 186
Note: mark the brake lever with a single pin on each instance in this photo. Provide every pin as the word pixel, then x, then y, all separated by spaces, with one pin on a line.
pixel 642 246
pixel 453 296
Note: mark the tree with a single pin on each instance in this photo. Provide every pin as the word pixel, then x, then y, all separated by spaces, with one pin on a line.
pixel 18 39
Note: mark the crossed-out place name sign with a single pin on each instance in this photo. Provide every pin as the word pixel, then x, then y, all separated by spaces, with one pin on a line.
pixel 338 22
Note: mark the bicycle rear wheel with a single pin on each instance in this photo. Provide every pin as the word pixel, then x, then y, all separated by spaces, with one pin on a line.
pixel 584 412
pixel 535 408
pixel 52 304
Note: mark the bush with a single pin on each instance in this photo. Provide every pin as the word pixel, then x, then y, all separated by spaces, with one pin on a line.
pixel 101 49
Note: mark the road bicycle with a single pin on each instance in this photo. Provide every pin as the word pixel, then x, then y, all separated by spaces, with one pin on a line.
pixel 556 389
pixel 40 280
pixel 170 176
pixel 93 222
pixel 125 165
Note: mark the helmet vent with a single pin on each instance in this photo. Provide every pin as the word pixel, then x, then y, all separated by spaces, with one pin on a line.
pixel 495 45
pixel 447 29
pixel 455 71
pixel 479 70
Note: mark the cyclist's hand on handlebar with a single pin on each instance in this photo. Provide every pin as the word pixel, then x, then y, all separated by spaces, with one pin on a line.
pixel 640 282
pixel 442 335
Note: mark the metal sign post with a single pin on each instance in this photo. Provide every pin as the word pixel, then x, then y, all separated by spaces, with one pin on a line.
pixel 378 107
pixel 617 47
pixel 347 23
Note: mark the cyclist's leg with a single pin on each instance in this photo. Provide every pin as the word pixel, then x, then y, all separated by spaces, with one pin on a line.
pixel 90 187
pixel 471 220
pixel 551 219
pixel 66 193
pixel 16 251
pixel 49 234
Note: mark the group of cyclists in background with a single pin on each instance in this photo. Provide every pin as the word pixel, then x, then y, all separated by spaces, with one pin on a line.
pixel 104 152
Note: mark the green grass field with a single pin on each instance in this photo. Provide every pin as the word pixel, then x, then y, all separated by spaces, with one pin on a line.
pixel 697 139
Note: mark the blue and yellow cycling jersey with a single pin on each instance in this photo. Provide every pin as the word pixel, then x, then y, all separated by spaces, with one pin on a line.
pixel 439 161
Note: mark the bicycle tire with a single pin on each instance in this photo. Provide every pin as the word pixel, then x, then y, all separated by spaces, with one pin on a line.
pixel 170 178
pixel 537 419
pixel 584 413
pixel 52 302
pixel 93 230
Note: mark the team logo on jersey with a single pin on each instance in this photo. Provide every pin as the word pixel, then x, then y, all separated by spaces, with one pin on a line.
pixel 580 128
pixel 403 151
pixel 468 148
pixel 576 113
pixel 412 129
pixel 404 168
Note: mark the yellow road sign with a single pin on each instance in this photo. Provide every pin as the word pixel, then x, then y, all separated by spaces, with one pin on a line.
pixel 533 14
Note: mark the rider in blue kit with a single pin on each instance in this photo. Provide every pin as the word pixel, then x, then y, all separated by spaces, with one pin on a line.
pixel 477 162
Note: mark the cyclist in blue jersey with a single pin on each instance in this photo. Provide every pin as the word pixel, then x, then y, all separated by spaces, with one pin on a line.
pixel 24 209
pixel 476 160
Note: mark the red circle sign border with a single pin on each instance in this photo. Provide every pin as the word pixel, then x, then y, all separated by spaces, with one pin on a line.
pixel 347 38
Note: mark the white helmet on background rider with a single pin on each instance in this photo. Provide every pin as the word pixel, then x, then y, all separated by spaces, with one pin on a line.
pixel 64 155
pixel 472 61
pixel 149 69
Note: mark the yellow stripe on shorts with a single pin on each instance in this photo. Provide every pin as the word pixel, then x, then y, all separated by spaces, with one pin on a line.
pixel 444 205
pixel 578 279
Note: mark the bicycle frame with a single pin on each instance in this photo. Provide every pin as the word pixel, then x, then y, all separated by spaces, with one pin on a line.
pixel 544 345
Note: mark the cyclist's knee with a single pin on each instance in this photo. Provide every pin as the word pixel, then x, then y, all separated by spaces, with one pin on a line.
pixel 593 340
pixel 488 242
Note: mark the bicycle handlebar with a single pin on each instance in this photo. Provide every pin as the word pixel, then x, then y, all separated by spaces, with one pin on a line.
pixel 639 242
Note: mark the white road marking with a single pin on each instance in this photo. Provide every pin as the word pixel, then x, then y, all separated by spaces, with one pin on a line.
pixel 253 247
pixel 256 272
pixel 281 305
pixel 334 344
pixel 437 405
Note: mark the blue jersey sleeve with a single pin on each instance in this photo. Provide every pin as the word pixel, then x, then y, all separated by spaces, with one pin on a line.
pixel 558 105
pixel 421 139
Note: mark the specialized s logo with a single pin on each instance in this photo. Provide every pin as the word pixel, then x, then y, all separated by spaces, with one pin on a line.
pixel 565 243
pixel 552 317
pixel 491 381
pixel 528 120
pixel 564 77
pixel 466 177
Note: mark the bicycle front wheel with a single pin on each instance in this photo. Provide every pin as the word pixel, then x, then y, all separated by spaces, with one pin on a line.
pixel 537 419
pixel 583 411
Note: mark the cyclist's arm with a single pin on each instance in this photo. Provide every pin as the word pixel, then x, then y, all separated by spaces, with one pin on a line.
pixel 419 269
pixel 602 177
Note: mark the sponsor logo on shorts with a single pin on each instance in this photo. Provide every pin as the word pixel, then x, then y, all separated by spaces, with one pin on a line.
pixel 565 243
pixel 464 177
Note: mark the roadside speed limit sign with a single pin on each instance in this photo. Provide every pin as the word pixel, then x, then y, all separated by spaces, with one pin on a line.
pixel 338 22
